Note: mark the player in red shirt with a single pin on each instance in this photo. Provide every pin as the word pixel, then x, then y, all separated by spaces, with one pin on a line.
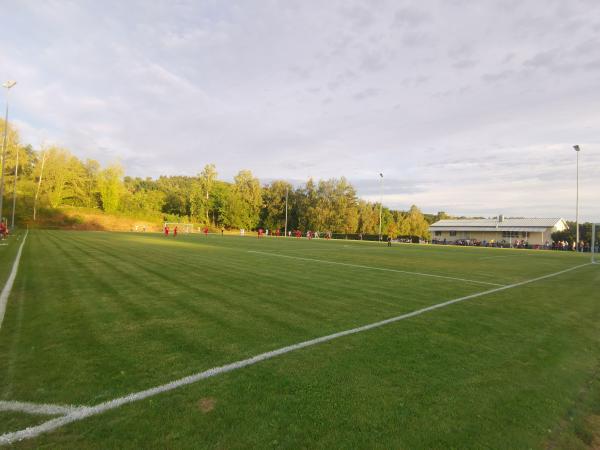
pixel 166 230
pixel 175 232
pixel 260 232
pixel 206 231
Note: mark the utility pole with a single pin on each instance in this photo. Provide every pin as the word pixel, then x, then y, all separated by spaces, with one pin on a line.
pixel 7 85
pixel 286 210
pixel 37 192
pixel 12 222
pixel 577 150
pixel 380 202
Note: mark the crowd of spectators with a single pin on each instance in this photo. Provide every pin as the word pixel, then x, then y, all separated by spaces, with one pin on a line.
pixel 584 246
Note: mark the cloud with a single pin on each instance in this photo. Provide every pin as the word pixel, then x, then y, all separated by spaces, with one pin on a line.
pixel 464 64
pixel 410 17
pixel 366 94
pixel 466 107
pixel 498 76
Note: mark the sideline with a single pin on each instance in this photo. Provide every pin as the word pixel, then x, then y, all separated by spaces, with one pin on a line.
pixel 360 266
pixel 11 279
pixel 83 412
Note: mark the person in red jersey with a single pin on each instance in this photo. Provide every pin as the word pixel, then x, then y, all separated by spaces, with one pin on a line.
pixel 206 231
pixel 166 230
pixel 260 233
pixel 175 232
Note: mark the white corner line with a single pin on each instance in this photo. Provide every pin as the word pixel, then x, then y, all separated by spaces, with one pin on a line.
pixel 37 408
pixel 360 266
pixel 87 411
pixel 11 279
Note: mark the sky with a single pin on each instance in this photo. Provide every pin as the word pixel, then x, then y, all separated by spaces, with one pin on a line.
pixel 468 107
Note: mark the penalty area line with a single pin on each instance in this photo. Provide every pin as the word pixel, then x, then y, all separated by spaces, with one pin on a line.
pixel 87 411
pixel 360 266
pixel 36 408
pixel 11 279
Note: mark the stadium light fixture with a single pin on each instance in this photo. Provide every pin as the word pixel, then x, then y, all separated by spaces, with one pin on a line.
pixel 577 150
pixel 7 85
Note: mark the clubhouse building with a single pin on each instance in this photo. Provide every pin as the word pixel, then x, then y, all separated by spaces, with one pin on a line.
pixel 536 232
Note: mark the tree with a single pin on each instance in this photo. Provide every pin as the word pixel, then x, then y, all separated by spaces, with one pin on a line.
pixel 243 204
pixel 56 175
pixel 89 183
pixel 417 225
pixel 273 211
pixel 200 201
pixel 368 217
pixel 178 194
pixel 110 187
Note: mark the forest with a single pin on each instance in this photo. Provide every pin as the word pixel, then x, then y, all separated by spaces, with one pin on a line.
pixel 52 178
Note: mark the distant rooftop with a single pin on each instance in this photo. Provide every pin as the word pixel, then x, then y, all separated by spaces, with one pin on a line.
pixel 506 224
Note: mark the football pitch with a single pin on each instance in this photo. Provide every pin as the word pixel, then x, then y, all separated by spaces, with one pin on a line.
pixel 113 340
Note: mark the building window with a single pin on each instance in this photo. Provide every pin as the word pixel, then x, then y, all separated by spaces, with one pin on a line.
pixel 510 234
pixel 453 233
pixel 438 233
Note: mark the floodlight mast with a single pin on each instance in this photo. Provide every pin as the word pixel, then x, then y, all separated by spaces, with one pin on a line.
pixel 380 201
pixel 7 85
pixel 286 211
pixel 593 243
pixel 12 221
pixel 577 150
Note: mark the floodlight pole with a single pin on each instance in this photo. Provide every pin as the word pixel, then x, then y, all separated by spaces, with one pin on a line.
pixel 12 221
pixel 577 150
pixel 7 85
pixel 593 242
pixel 286 210
pixel 380 202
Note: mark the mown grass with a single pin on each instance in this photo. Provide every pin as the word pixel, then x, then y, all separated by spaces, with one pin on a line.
pixel 8 251
pixel 97 315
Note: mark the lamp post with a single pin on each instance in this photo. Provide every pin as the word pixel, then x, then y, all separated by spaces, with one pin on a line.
pixel 380 202
pixel 12 220
pixel 286 210
pixel 577 150
pixel 6 85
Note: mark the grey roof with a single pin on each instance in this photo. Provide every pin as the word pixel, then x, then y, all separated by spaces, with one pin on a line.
pixel 519 229
pixel 533 224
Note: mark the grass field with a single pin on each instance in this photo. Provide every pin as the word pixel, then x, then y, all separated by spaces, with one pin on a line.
pixel 94 316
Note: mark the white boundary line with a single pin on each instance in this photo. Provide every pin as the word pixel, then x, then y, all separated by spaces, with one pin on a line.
pixel 87 411
pixel 10 281
pixel 360 266
pixel 36 408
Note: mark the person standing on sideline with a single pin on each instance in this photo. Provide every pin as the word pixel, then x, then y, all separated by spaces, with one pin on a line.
pixel 389 240
pixel 166 230
pixel 175 231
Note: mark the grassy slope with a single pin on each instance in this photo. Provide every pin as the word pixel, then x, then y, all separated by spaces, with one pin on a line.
pixel 80 218
pixel 97 315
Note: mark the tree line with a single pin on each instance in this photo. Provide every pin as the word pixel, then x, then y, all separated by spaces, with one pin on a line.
pixel 53 177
